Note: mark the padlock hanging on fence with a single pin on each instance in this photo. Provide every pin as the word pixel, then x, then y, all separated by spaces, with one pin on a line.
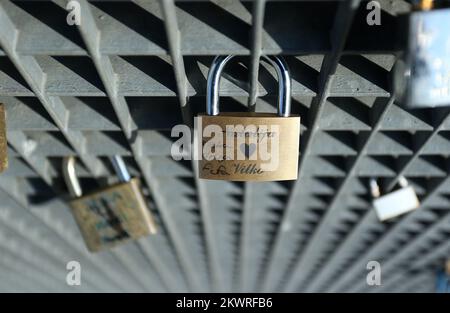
pixel 111 215
pixel 422 73
pixel 395 203
pixel 3 145
pixel 279 133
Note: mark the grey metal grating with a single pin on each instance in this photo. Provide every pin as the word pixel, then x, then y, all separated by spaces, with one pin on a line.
pixel 133 69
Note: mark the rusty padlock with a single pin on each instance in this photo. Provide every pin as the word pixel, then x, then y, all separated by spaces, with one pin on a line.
pixel 3 145
pixel 249 146
pixel 112 215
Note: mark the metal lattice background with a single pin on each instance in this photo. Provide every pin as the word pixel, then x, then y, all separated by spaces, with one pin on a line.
pixel 117 83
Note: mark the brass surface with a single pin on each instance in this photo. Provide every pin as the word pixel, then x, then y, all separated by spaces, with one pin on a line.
pixel 247 169
pixel 113 216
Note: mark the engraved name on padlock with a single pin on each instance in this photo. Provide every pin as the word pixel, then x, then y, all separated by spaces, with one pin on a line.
pixel 3 145
pixel 253 133
pixel 395 203
pixel 112 215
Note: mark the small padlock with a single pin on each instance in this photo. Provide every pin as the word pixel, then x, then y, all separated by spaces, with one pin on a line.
pixel 394 203
pixel 422 73
pixel 248 146
pixel 112 215
pixel 3 145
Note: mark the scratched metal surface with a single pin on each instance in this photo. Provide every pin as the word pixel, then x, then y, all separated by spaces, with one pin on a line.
pixel 117 83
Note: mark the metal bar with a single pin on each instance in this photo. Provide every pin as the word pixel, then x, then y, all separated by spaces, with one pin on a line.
pixel 407 251
pixel 215 236
pixel 19 141
pixel 53 255
pixel 59 228
pixel 36 79
pixel 256 50
pixel 120 168
pixel 13 191
pixel 90 34
pixel 341 253
pixel 35 260
pixel 174 42
pixel 345 13
pixel 317 244
pixel 16 194
pixel 21 269
pixel 392 182
pixel 374 251
pixel 245 260
pixel 408 282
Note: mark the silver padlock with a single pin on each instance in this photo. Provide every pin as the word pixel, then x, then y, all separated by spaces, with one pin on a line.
pixel 422 74
pixel 112 215
pixel 394 203
pixel 244 134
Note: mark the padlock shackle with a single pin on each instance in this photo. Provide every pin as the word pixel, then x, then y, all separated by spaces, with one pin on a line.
pixel 215 73
pixel 70 177
pixel 374 188
pixel 120 168
pixel 403 182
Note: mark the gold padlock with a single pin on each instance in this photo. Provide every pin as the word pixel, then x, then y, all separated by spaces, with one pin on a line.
pixel 3 145
pixel 112 215
pixel 249 146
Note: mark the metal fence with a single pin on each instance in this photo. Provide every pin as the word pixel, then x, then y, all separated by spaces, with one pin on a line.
pixel 118 82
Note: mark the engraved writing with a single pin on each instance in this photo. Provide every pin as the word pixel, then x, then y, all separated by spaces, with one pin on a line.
pixel 234 146
pixel 253 148
pixel 110 222
pixel 220 170
pixel 238 142
pixel 260 133
pixel 249 169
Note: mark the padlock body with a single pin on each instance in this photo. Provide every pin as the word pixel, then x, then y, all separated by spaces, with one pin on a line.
pixel 3 145
pixel 396 203
pixel 113 215
pixel 427 62
pixel 265 147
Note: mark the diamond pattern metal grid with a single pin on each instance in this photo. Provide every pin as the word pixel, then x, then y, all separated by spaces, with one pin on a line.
pixel 117 83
